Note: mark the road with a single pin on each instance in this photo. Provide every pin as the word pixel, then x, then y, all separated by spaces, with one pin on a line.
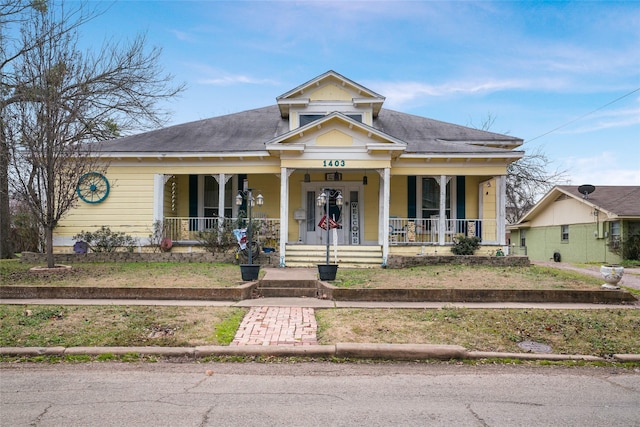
pixel 315 394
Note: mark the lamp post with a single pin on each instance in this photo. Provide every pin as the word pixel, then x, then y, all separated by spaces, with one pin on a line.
pixel 251 201
pixel 324 199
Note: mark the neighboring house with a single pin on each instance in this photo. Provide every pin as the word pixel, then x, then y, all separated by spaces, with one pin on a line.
pixel 579 227
pixel 405 181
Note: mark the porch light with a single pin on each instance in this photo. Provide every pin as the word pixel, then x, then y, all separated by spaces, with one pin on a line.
pixel 307 177
pixel 365 180
pixel 322 198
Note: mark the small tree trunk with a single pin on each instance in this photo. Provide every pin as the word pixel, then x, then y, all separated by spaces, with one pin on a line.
pixel 49 240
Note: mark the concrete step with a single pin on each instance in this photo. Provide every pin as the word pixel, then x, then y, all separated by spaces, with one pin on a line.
pixel 293 283
pixel 287 292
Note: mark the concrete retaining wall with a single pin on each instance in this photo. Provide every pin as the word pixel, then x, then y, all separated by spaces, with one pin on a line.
pixel 202 294
pixel 479 295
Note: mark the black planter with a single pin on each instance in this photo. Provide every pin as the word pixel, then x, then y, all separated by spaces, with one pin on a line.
pixel 327 271
pixel 249 272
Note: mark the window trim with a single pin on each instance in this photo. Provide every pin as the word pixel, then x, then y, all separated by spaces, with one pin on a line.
pixel 564 233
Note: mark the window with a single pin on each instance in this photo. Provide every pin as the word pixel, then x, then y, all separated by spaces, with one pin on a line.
pixel 523 238
pixel 564 233
pixel 431 198
pixel 614 230
pixel 211 192
pixel 305 119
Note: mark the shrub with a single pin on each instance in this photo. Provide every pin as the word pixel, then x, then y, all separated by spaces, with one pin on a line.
pixel 104 240
pixel 463 245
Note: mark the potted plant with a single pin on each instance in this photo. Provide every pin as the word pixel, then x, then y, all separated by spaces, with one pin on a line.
pixel 328 271
pixel 250 271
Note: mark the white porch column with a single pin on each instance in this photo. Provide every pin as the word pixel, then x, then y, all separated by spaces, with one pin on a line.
pixel 221 187
pixel 385 200
pixel 158 197
pixel 501 195
pixel 442 212
pixel 284 213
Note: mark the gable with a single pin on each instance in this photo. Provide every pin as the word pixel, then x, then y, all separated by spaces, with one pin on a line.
pixel 330 92
pixel 334 138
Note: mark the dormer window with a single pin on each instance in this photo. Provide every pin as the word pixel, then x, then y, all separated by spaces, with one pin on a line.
pixel 305 119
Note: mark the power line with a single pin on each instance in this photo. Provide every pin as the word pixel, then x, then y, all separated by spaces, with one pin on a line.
pixel 584 115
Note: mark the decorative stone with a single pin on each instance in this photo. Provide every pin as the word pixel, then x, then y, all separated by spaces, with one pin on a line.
pixel 611 273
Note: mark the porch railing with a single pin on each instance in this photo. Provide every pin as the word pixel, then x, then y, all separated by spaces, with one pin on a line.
pixel 426 231
pixel 402 231
pixel 187 228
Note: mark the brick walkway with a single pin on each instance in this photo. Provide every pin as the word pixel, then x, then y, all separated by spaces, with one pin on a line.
pixel 277 326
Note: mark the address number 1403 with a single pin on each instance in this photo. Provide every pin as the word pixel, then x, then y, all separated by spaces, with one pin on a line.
pixel 333 163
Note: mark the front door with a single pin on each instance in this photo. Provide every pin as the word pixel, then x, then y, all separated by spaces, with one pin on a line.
pixel 347 217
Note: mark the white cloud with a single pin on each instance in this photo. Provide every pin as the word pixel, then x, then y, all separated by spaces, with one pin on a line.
pixel 401 93
pixel 607 120
pixel 217 77
pixel 601 170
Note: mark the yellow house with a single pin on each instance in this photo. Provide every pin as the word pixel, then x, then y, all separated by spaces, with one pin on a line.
pixel 407 184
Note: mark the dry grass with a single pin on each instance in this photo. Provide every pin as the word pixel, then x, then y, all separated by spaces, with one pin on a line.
pixel 125 275
pixel 208 275
pixel 596 332
pixel 69 326
pixel 466 277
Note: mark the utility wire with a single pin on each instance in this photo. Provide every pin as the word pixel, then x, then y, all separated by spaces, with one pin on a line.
pixel 584 115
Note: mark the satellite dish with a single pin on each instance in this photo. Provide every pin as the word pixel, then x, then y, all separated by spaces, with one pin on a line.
pixel 585 190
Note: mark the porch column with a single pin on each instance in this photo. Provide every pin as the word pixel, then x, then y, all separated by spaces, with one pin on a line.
pixel 442 213
pixel 501 194
pixel 284 213
pixel 158 197
pixel 385 200
pixel 221 187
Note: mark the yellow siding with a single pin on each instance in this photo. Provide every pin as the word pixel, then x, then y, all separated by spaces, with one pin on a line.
pixel 330 92
pixel 561 212
pixel 471 197
pixel 398 203
pixel 128 208
pixel 334 138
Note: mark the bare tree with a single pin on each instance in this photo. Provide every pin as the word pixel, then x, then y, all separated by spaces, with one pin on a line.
pixel 528 178
pixel 65 100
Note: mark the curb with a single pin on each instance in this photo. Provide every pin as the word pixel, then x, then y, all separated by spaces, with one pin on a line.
pixel 340 350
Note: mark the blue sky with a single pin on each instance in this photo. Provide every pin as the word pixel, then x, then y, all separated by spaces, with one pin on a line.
pixel 563 76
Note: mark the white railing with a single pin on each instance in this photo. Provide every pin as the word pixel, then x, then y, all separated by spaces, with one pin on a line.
pixel 421 231
pixel 187 228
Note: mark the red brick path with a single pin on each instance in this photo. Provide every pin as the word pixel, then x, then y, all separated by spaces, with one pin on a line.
pixel 278 326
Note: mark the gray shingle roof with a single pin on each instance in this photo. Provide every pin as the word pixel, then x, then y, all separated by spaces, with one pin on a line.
pixel 249 130
pixel 623 201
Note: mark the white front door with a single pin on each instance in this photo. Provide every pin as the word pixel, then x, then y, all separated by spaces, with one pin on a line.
pixel 348 216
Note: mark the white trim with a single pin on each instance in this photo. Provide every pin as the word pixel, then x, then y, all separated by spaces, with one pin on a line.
pixel 284 213
pixel 385 199
pixel 501 190
pixel 158 197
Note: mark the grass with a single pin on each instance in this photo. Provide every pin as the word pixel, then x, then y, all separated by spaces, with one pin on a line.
pixel 594 332
pixel 459 276
pixel 125 274
pixel 72 326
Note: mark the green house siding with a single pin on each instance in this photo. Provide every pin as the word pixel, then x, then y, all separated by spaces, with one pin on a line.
pixel 582 246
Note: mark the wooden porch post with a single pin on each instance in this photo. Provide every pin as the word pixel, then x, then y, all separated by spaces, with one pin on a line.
pixel 284 212
pixel 158 197
pixel 442 210
pixel 501 194
pixel 385 200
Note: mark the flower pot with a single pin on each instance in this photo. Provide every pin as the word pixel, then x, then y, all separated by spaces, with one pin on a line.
pixel 249 272
pixel 611 273
pixel 327 271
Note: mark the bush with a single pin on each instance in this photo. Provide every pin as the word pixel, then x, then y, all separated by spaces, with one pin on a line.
pixel 104 240
pixel 631 247
pixel 463 245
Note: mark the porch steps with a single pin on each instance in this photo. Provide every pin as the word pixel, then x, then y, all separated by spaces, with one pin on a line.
pixel 349 256
pixel 287 288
